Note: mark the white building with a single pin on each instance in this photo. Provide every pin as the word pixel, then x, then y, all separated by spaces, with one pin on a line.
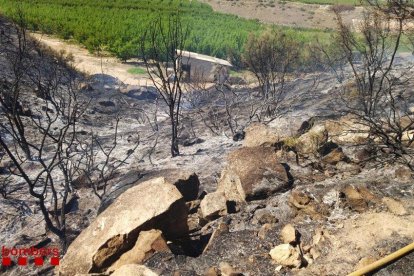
pixel 198 67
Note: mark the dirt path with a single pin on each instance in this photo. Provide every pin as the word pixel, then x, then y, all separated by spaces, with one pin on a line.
pixel 285 13
pixel 91 64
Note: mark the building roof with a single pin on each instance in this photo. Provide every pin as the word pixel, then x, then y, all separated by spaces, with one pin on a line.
pixel 205 58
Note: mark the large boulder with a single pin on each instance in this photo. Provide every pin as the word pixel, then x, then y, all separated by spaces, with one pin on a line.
pixel 258 134
pixel 253 173
pixel 154 204
pixel 186 182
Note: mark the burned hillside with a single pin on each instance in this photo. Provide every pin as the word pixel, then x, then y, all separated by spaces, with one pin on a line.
pixel 287 172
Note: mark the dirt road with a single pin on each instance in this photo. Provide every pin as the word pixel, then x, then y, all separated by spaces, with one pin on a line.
pixel 92 64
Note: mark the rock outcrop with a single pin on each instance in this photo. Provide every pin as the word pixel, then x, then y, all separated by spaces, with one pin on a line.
pixel 253 173
pixel 260 135
pixel 153 204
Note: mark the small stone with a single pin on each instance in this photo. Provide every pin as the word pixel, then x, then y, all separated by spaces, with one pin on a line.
pixel 354 199
pixel 308 258
pixel 264 230
pixel 289 234
pixel 320 236
pixel 340 226
pixel 394 206
pixel 239 136
pixel 363 155
pixel 334 157
pixel 263 216
pixel 314 253
pixel 403 174
pixel 213 206
pixel 299 199
pixel 193 222
pixel 227 270
pixel 251 259
pixel 286 255
pixel 303 202
pixel 279 268
pixel 212 271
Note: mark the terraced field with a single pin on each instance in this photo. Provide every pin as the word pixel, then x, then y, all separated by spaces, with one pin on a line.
pixel 117 26
pixel 314 14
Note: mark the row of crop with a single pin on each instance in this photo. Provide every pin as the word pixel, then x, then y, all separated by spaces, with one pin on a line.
pixel 118 25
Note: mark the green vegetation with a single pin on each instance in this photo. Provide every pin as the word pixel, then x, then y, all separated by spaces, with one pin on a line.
pixel 118 25
pixel 235 73
pixel 137 71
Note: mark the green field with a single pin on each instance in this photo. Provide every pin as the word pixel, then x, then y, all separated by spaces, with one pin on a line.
pixel 137 71
pixel 117 25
